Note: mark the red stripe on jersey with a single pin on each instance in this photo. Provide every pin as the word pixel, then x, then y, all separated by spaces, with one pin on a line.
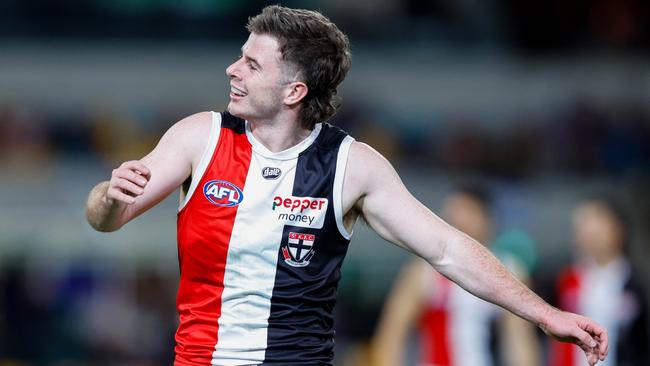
pixel 204 231
pixel 568 289
pixel 435 335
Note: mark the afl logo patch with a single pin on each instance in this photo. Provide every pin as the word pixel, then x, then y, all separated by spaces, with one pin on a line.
pixel 271 173
pixel 223 193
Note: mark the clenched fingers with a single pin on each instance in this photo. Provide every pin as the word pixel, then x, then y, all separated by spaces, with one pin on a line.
pixel 117 195
pixel 128 181
pixel 137 167
pixel 599 334
pixel 594 342
pixel 130 176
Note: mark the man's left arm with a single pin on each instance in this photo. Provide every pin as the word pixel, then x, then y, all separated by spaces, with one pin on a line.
pixel 388 207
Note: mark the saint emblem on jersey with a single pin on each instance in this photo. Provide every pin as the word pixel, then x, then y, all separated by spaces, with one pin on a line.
pixel 223 193
pixel 298 250
pixel 271 173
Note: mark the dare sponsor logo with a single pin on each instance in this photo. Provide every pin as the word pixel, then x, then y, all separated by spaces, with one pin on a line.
pixel 301 211
pixel 223 193
pixel 271 173
pixel 298 250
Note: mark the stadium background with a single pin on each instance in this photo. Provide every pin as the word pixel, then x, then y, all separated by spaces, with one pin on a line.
pixel 543 101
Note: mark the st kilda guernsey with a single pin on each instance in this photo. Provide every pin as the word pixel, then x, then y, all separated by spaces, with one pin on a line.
pixel 261 241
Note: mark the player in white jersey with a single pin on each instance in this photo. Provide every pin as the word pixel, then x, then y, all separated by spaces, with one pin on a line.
pixel 282 86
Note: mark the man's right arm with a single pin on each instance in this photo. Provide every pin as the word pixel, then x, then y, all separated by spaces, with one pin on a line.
pixel 135 186
pixel 388 208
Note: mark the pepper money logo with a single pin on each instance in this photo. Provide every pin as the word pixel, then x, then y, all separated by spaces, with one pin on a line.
pixel 223 193
pixel 301 211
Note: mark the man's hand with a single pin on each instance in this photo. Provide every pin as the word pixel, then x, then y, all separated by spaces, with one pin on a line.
pixel 127 182
pixel 584 332
pixel 137 185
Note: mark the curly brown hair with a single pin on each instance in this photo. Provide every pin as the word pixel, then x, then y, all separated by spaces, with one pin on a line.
pixel 316 48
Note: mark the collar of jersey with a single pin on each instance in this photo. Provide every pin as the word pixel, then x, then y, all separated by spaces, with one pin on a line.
pixel 290 153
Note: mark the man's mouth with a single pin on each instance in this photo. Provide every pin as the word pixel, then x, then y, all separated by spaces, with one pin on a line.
pixel 236 91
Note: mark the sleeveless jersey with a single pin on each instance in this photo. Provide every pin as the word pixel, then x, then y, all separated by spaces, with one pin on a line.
pixel 612 296
pixel 261 241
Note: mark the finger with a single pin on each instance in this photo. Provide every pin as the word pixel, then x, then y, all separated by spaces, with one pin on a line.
pixel 128 187
pixel 139 167
pixel 603 344
pixel 145 172
pixel 586 339
pixel 117 195
pixel 590 352
pixel 600 334
pixel 592 359
pixel 602 349
pixel 590 355
pixel 131 175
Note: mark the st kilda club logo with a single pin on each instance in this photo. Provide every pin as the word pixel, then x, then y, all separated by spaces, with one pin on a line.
pixel 299 249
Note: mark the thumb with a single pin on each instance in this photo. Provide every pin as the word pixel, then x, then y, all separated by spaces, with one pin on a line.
pixel 585 340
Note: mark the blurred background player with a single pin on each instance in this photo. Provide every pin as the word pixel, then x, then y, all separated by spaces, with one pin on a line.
pixel 602 284
pixel 455 327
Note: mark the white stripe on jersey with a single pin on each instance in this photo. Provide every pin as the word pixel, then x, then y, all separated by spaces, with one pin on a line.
pixel 251 266
pixel 199 170
pixel 337 194
pixel 470 319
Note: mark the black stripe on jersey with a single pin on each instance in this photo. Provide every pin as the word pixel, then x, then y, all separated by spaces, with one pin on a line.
pixel 301 323
pixel 236 124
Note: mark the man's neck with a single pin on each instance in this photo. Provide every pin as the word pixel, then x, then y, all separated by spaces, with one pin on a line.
pixel 279 135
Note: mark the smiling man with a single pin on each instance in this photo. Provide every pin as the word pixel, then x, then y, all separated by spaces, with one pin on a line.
pixel 271 193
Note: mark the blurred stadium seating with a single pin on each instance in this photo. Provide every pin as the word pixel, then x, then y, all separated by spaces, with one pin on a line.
pixel 545 102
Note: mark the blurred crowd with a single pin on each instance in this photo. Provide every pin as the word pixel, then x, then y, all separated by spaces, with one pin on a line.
pixel 83 315
pixel 582 137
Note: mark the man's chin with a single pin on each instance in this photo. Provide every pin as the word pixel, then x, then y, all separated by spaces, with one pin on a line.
pixel 237 112
pixel 232 110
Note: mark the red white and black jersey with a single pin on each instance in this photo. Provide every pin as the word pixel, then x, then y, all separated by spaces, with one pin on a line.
pixel 613 297
pixel 455 327
pixel 261 241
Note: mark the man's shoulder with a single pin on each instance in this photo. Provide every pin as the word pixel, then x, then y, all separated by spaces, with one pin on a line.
pixel 365 154
pixel 195 122
pixel 366 168
pixel 189 134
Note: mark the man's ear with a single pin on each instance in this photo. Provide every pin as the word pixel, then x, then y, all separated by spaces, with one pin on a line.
pixel 295 92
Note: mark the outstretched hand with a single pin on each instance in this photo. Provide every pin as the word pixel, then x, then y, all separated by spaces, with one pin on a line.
pixel 584 332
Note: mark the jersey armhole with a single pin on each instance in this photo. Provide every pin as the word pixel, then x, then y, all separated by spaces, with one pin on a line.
pixel 199 170
pixel 337 194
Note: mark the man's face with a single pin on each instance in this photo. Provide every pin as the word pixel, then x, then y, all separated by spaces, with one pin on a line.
pixel 467 215
pixel 596 231
pixel 257 81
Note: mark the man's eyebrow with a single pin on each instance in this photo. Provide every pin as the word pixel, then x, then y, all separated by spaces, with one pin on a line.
pixel 252 60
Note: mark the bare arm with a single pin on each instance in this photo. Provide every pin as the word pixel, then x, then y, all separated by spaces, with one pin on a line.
pixel 399 218
pixel 136 186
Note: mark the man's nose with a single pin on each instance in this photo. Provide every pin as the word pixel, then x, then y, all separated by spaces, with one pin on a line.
pixel 232 70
